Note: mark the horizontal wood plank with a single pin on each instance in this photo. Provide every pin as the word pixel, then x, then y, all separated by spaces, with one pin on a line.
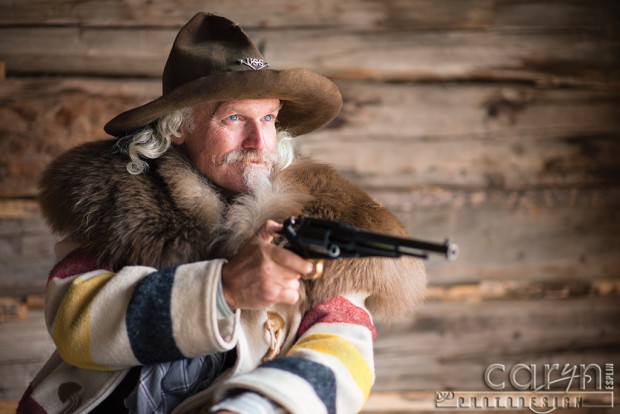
pixel 412 14
pixel 486 290
pixel 269 13
pixel 542 58
pixel 19 209
pixel 511 162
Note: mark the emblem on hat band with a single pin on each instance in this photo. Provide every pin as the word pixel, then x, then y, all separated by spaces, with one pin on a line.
pixel 256 64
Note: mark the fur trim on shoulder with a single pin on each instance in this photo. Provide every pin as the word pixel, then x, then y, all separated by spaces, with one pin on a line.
pixel 172 215
pixel 395 285
pixel 164 217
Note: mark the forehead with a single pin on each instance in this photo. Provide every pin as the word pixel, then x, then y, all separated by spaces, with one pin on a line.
pixel 242 105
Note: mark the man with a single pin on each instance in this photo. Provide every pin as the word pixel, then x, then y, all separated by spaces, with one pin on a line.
pixel 169 293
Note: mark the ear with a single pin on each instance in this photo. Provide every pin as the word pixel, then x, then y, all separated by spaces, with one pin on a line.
pixel 178 140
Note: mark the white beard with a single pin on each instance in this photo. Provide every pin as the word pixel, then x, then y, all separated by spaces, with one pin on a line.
pixel 257 179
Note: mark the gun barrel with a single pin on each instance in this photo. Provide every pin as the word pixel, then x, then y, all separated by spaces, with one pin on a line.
pixel 413 247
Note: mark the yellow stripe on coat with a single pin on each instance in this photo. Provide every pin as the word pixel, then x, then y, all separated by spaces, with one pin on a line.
pixel 71 330
pixel 344 351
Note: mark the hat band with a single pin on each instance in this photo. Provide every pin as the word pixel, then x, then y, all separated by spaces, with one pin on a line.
pixel 254 63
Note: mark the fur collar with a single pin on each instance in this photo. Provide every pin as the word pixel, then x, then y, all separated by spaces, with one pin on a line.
pixel 172 215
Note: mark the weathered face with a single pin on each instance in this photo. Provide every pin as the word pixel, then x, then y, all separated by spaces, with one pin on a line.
pixel 226 139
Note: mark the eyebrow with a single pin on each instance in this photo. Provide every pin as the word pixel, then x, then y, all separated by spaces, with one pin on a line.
pixel 226 106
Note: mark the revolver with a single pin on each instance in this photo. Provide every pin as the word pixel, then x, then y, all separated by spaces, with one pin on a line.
pixel 313 238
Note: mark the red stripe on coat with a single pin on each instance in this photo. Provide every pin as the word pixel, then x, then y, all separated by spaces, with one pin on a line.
pixel 75 263
pixel 29 406
pixel 336 310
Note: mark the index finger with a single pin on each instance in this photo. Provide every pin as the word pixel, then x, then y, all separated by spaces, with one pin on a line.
pixel 291 261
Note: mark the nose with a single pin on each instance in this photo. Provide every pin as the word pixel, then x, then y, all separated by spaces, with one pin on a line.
pixel 254 137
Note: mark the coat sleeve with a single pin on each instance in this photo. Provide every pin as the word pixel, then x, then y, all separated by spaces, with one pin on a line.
pixel 330 369
pixel 139 315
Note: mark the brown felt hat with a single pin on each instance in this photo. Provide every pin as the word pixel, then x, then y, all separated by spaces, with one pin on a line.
pixel 213 60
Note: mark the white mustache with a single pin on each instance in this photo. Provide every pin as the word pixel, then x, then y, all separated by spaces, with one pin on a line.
pixel 245 156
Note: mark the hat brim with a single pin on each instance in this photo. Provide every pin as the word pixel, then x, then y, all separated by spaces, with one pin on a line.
pixel 309 100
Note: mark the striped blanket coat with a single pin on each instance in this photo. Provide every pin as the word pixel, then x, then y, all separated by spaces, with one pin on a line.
pixel 142 286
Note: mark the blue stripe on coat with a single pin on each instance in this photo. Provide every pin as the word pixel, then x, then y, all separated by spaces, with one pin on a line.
pixel 320 377
pixel 148 319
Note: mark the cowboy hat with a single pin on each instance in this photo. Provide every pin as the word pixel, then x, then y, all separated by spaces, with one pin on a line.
pixel 213 60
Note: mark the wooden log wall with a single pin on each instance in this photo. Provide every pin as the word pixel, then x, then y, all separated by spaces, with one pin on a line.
pixel 493 122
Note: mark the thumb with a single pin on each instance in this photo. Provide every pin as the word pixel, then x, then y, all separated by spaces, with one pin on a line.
pixel 268 231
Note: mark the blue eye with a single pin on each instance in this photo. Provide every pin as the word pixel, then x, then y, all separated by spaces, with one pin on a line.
pixel 268 118
pixel 233 117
